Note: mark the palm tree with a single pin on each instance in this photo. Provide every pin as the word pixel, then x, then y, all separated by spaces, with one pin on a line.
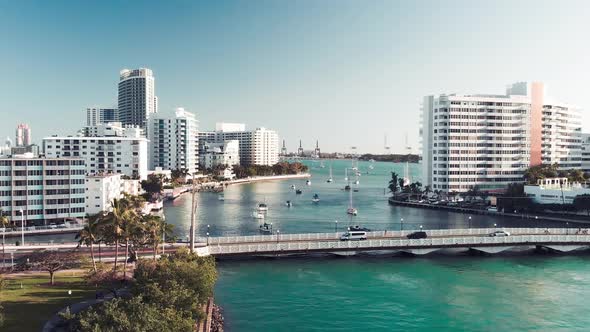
pixel 4 222
pixel 114 223
pixel 88 235
pixel 394 183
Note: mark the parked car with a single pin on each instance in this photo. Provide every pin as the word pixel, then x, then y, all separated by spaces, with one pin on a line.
pixel 62 226
pixel 52 225
pixel 499 233
pixel 417 235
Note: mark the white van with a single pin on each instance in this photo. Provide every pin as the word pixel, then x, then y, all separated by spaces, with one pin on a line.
pixel 353 235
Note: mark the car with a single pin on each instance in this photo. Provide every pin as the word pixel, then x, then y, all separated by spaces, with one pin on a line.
pixel 353 235
pixel 52 226
pixel 499 233
pixel 493 209
pixel 62 226
pixel 417 235
pixel 30 228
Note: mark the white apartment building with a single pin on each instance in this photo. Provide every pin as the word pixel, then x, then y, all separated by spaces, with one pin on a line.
pixel 106 148
pixel 45 190
pixel 490 140
pixel 257 147
pixel 137 98
pixel 174 142
pixel 102 189
pixel 220 153
pixel 98 115
pixel 585 152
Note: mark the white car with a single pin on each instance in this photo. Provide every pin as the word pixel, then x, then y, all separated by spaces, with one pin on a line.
pixel 52 226
pixel 499 233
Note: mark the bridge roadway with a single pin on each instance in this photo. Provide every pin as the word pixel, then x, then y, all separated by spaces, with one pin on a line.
pixel 558 239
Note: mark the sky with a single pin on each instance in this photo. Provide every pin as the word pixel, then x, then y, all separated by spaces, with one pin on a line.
pixel 344 72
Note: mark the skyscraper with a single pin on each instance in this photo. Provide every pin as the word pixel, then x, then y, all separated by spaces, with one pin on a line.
pixel 23 135
pixel 99 115
pixel 137 99
pixel 489 141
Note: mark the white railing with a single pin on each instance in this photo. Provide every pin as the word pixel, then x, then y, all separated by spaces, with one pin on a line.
pixel 286 246
pixel 379 234
pixel 40 229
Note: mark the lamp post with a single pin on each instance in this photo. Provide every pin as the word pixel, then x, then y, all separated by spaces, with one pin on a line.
pixel 335 226
pixel 469 222
pixel 401 224
pixel 420 227
pixel 164 235
pixel 495 225
pixel 278 234
pixel 207 238
pixel 22 228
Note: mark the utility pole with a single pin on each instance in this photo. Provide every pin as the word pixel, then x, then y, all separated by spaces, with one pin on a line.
pixel 193 209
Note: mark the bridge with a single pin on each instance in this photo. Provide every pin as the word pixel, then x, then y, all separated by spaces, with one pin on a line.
pixel 557 239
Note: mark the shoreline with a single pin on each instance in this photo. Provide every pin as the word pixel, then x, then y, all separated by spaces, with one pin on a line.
pixel 267 178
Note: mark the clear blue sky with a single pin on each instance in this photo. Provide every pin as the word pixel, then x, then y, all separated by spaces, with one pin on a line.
pixel 343 72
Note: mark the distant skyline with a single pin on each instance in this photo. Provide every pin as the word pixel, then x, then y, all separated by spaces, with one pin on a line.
pixel 345 73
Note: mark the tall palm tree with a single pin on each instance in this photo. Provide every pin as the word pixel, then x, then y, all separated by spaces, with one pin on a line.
pixel 4 222
pixel 394 183
pixel 88 235
pixel 114 222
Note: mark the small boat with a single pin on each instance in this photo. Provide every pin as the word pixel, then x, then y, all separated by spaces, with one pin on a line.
pixel 293 186
pixel 356 182
pixel 262 207
pixel 330 178
pixel 347 187
pixel 371 167
pixel 298 191
pixel 220 197
pixel 288 203
pixel 358 228
pixel 265 228
pixel 322 164
pixel 372 160
pixel 257 215
pixel 308 183
pixel 316 198
pixel 352 211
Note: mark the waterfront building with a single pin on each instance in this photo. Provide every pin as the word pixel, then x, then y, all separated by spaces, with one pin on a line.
pixel 18 150
pixel 220 153
pixel 555 191
pixel 23 135
pixel 106 148
pixel 585 152
pixel 257 147
pixel 45 190
pixel 103 189
pixel 137 98
pixel 5 150
pixel 174 141
pixel 99 115
pixel 489 140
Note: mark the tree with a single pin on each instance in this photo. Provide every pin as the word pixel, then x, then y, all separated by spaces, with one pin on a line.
pixel 582 203
pixel 394 183
pixel 153 185
pixel 49 261
pixel 123 211
pixel 88 235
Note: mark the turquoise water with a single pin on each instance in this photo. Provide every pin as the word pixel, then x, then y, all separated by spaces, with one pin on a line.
pixel 527 293
pixel 233 216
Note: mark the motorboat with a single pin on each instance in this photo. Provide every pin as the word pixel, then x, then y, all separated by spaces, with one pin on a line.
pixel 293 186
pixel 308 183
pixel 298 192
pixel 352 211
pixel 316 198
pixel 347 187
pixel 220 197
pixel 358 228
pixel 262 207
pixel 265 228
pixel 257 215
pixel 288 203
pixel 330 179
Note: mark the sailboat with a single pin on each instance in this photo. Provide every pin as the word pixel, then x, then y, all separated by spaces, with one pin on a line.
pixel 330 178
pixel 322 164
pixel 347 187
pixel 351 210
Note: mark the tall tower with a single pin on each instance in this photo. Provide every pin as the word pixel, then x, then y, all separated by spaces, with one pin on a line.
pixel 316 152
pixel 284 149
pixel 300 150
pixel 137 99
pixel 23 135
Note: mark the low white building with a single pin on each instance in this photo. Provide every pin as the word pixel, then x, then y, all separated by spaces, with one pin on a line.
pixel 102 189
pixel 220 153
pixel 105 148
pixel 555 191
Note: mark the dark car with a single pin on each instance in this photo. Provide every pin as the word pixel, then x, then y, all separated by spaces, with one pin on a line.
pixel 417 235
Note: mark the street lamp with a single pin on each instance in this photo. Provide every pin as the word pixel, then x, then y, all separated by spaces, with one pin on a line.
pixel 420 227
pixel 207 238
pixel 401 225
pixel 469 221
pixel 278 236
pixel 495 225
pixel 335 226
pixel 22 229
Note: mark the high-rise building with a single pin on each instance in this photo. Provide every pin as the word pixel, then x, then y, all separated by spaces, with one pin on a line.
pixel 257 147
pixel 23 135
pixel 489 140
pixel 174 142
pixel 137 99
pixel 106 148
pixel 99 115
pixel 42 190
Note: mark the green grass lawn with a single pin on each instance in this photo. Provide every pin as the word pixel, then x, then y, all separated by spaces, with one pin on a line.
pixel 28 308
